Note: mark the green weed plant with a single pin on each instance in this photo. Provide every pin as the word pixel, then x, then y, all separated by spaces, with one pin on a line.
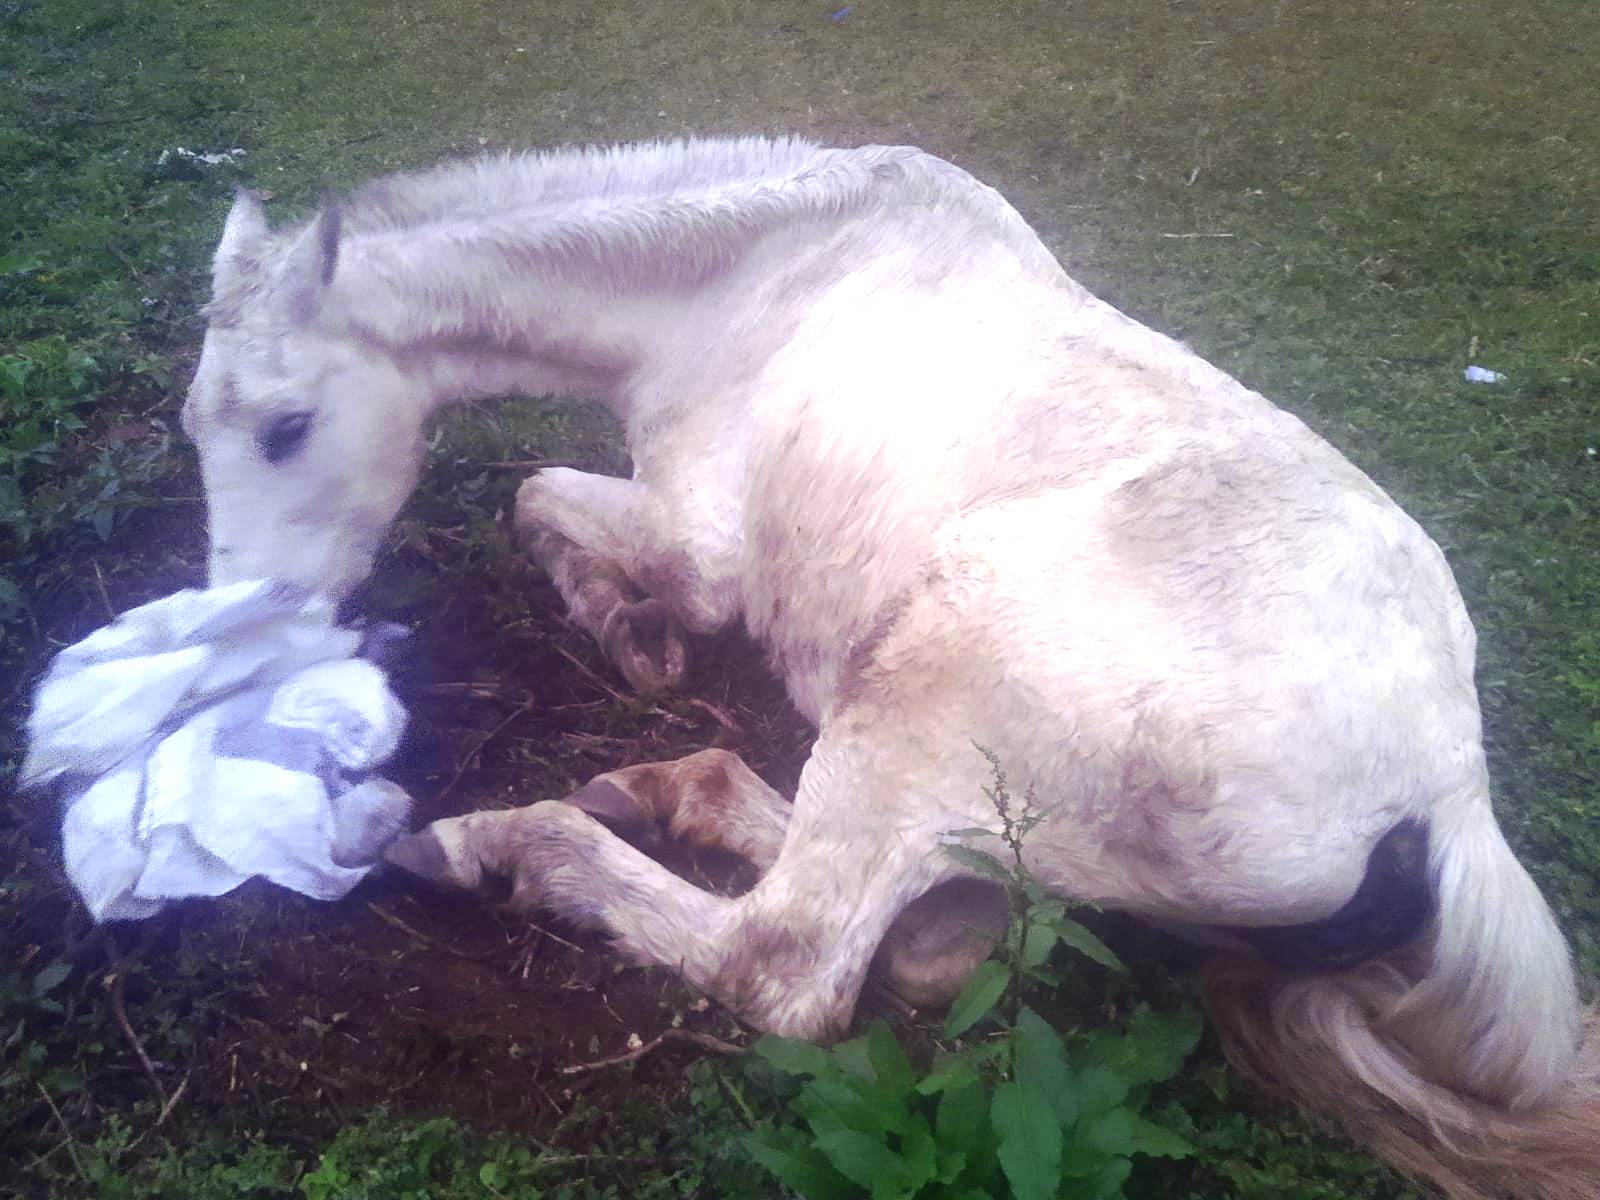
pixel 1024 1112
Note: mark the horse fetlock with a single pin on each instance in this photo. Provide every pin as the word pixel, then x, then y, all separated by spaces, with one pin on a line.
pixel 648 645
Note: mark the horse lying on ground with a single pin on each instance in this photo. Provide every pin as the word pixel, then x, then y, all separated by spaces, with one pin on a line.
pixel 960 502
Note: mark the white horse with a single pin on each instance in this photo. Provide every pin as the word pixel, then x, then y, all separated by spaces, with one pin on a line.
pixel 960 501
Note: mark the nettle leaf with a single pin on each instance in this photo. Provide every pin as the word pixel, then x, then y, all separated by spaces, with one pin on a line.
pixel 1122 1132
pixel 1030 1141
pixel 1151 1047
pixel 1040 1065
pixel 1036 946
pixel 980 861
pixel 1160 1042
pixel 1086 943
pixel 797 1164
pixel 793 1055
pixel 983 989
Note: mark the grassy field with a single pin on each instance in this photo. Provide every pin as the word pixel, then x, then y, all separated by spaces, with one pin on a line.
pixel 1343 206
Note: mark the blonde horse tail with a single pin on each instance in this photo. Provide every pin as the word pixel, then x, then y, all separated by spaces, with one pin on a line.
pixel 1464 1058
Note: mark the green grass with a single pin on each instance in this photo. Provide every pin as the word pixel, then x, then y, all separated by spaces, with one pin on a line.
pixel 1343 206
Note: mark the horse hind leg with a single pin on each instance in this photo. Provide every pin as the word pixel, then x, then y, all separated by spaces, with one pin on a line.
pixel 637 632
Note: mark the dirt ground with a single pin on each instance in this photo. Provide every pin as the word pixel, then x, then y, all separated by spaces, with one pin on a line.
pixel 411 998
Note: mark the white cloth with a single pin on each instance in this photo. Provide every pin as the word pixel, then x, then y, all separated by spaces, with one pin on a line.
pixel 212 736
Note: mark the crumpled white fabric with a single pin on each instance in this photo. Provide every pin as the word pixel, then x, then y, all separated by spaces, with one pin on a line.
pixel 212 736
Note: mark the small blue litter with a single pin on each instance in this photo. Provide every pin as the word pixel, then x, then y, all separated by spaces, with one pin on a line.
pixel 1482 375
pixel 838 15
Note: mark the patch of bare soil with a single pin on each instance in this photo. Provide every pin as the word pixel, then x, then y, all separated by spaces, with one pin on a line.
pixel 441 1004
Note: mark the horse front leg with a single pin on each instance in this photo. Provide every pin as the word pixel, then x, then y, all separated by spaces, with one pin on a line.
pixel 710 800
pixel 629 587
pixel 789 956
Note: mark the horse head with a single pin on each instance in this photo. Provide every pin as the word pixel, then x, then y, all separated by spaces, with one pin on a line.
pixel 310 435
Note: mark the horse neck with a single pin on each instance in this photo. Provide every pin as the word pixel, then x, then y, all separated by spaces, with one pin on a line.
pixel 606 302
pixel 469 328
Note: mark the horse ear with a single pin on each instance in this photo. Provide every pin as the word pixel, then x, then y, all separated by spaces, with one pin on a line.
pixel 311 264
pixel 236 270
pixel 243 234
pixel 246 226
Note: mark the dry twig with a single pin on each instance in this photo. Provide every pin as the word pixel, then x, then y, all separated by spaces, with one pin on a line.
pixel 71 1142
pixel 120 1011
pixel 430 942
pixel 466 759
pixel 703 1040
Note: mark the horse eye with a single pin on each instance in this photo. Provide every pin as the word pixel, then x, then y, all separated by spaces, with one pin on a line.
pixel 282 436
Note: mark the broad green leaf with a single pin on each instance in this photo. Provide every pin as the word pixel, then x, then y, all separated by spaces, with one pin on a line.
pixel 962 1117
pixel 843 1103
pixel 793 1055
pixel 862 1158
pixel 1040 1065
pixel 890 1066
pixel 1085 943
pixel 798 1166
pixel 1030 1141
pixel 1106 1183
pixel 918 1151
pixel 987 985
pixel 1099 1088
pixel 954 1070
pixel 949 1166
pixel 1037 944
pixel 853 1058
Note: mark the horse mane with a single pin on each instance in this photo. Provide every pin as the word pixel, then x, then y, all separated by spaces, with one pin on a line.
pixel 660 212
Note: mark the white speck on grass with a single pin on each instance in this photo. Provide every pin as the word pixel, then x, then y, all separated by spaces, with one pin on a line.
pixel 195 156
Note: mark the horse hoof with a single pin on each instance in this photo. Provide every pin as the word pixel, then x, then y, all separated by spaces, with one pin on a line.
pixel 648 646
pixel 616 810
pixel 427 856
